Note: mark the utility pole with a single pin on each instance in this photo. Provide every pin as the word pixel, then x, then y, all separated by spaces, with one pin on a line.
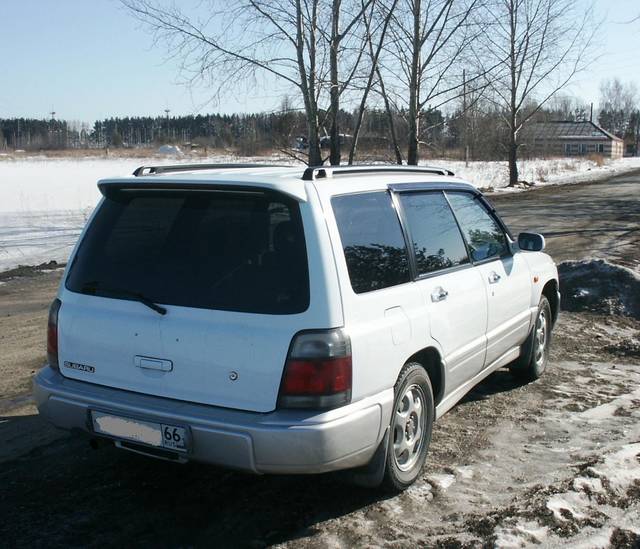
pixel 464 119
pixel 52 126
pixel 167 111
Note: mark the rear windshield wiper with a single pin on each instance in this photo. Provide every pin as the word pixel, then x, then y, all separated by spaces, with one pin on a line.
pixel 92 287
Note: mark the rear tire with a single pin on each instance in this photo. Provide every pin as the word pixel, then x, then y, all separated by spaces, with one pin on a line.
pixel 534 354
pixel 410 428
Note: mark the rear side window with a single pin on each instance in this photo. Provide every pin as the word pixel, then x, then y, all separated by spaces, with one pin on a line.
pixel 436 237
pixel 228 250
pixel 482 232
pixel 372 239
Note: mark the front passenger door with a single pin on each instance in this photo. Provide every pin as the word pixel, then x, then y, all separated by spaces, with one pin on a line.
pixel 506 276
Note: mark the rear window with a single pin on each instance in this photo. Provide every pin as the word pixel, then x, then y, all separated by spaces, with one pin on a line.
pixel 372 240
pixel 228 250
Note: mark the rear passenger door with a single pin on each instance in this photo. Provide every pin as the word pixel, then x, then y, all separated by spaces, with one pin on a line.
pixel 453 292
pixel 382 303
pixel 505 275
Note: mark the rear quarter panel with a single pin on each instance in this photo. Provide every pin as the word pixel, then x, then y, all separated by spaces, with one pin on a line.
pixel 386 326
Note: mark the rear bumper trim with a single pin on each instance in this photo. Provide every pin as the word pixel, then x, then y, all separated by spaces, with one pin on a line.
pixel 284 441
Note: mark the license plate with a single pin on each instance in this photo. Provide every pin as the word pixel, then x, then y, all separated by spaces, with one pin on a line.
pixel 145 432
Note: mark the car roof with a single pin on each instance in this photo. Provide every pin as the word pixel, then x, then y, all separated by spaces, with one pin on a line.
pixel 294 181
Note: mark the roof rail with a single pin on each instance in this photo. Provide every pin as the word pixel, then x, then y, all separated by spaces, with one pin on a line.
pixel 155 170
pixel 322 172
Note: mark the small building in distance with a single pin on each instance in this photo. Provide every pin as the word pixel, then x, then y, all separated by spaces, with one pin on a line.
pixel 565 138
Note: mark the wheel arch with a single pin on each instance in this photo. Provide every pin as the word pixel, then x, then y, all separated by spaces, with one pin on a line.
pixel 550 291
pixel 431 361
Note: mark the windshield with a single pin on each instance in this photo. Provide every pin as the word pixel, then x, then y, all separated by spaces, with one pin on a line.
pixel 214 249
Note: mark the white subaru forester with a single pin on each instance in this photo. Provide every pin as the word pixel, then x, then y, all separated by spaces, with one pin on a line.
pixel 282 320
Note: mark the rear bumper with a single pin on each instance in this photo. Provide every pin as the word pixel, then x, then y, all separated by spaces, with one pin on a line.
pixel 284 441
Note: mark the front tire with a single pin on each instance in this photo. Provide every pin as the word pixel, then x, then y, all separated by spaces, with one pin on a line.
pixel 410 428
pixel 534 354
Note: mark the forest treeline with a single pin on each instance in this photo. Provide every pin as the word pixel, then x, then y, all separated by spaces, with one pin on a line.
pixel 479 128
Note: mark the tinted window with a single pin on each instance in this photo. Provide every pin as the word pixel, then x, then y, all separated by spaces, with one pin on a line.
pixel 372 239
pixel 484 236
pixel 214 250
pixel 436 238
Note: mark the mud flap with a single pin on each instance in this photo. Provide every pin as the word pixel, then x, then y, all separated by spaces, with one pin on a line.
pixel 526 352
pixel 371 475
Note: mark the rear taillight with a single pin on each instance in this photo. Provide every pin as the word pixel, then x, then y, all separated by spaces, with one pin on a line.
pixel 52 335
pixel 318 371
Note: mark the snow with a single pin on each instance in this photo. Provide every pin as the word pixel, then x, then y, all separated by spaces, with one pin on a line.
pixel 520 535
pixel 35 237
pixel 609 408
pixel 568 503
pixel 442 481
pixel 421 491
pixel 170 150
pixel 538 172
pixel 621 468
pixel 55 185
pixel 45 202
pixel 598 495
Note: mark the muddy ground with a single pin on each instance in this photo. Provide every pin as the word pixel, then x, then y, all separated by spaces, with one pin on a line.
pixel 553 462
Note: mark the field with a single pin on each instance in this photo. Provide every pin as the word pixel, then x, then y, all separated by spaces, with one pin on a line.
pixel 45 201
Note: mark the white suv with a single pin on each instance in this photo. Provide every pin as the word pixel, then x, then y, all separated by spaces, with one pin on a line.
pixel 276 321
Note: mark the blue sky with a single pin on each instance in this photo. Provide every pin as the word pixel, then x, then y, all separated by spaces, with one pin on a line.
pixel 89 59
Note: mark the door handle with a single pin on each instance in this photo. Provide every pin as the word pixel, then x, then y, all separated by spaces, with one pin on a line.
pixel 494 277
pixel 439 294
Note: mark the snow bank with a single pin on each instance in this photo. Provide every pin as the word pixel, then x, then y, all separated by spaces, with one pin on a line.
pixel 599 286
pixel 536 172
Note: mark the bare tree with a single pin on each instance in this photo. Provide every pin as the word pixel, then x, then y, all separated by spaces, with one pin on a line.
pixel 228 44
pixel 375 39
pixel 429 39
pixel 537 47
pixel 566 107
pixel 618 103
pixel 352 13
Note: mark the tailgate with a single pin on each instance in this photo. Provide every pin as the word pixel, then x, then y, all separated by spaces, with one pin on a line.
pixel 211 357
pixel 229 266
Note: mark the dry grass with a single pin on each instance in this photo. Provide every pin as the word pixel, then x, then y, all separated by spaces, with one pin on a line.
pixel 85 153
pixel 542 173
pixel 569 166
pixel 598 159
pixel 148 152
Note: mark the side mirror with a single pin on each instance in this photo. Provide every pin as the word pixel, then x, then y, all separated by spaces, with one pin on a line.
pixel 531 242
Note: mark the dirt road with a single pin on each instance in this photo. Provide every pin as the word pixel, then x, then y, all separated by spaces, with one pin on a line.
pixel 553 462
pixel 596 220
